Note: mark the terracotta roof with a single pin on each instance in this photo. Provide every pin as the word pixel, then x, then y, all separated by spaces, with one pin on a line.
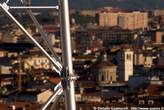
pixel 155 89
pixel 51 28
pixel 27 105
pixel 158 67
pixel 55 80
pixel 105 94
pixel 4 107
pixel 105 64
pixel 87 84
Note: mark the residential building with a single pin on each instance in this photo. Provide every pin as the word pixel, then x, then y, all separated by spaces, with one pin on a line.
pixel 148 61
pixel 143 58
pixel 88 13
pixel 37 62
pixel 126 20
pixel 85 38
pixel 157 36
pixel 133 20
pixel 158 12
pixel 138 58
pixel 5 69
pixel 44 96
pixel 108 19
pixel 161 20
pixel 3 53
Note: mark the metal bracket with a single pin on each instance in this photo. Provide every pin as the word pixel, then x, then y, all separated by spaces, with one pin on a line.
pixel 5 6
pixel 34 7
pixel 73 77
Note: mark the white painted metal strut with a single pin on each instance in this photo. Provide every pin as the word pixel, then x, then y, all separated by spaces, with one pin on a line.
pixel 5 9
pixel 41 31
pixel 68 75
pixel 58 90
pixel 54 98
pixel 34 7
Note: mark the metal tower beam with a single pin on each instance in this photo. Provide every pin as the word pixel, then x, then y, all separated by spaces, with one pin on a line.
pixel 41 31
pixel 68 74
pixel 57 65
pixel 67 54
pixel 34 7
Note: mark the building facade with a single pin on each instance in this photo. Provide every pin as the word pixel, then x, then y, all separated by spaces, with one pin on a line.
pixel 126 20
pixel 37 62
pixel 158 12
pixel 157 36
pixel 84 38
pixel 125 60
pixel 108 19
pixel 133 20
pixel 105 72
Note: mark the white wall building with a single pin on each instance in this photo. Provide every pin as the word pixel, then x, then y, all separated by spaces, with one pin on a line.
pixel 5 69
pixel 125 64
pixel 44 96
pixel 139 59
pixel 148 61
pixel 37 62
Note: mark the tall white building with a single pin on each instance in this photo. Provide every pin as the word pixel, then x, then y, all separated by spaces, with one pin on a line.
pixel 125 59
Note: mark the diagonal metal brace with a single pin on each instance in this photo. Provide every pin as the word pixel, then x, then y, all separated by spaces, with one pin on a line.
pixel 57 65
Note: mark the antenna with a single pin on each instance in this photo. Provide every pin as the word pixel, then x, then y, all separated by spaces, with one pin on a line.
pixel 65 71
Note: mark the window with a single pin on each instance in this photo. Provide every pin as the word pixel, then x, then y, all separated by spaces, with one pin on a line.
pixel 102 78
pixel 162 38
pixel 128 57
pixel 111 78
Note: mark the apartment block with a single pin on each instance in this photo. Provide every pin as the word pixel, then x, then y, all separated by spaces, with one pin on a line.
pixel 133 20
pixel 125 20
pixel 108 19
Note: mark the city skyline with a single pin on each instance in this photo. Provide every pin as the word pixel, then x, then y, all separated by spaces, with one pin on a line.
pixel 94 4
pixel 105 58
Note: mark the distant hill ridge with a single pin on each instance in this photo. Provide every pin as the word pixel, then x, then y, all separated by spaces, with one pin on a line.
pixel 93 4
